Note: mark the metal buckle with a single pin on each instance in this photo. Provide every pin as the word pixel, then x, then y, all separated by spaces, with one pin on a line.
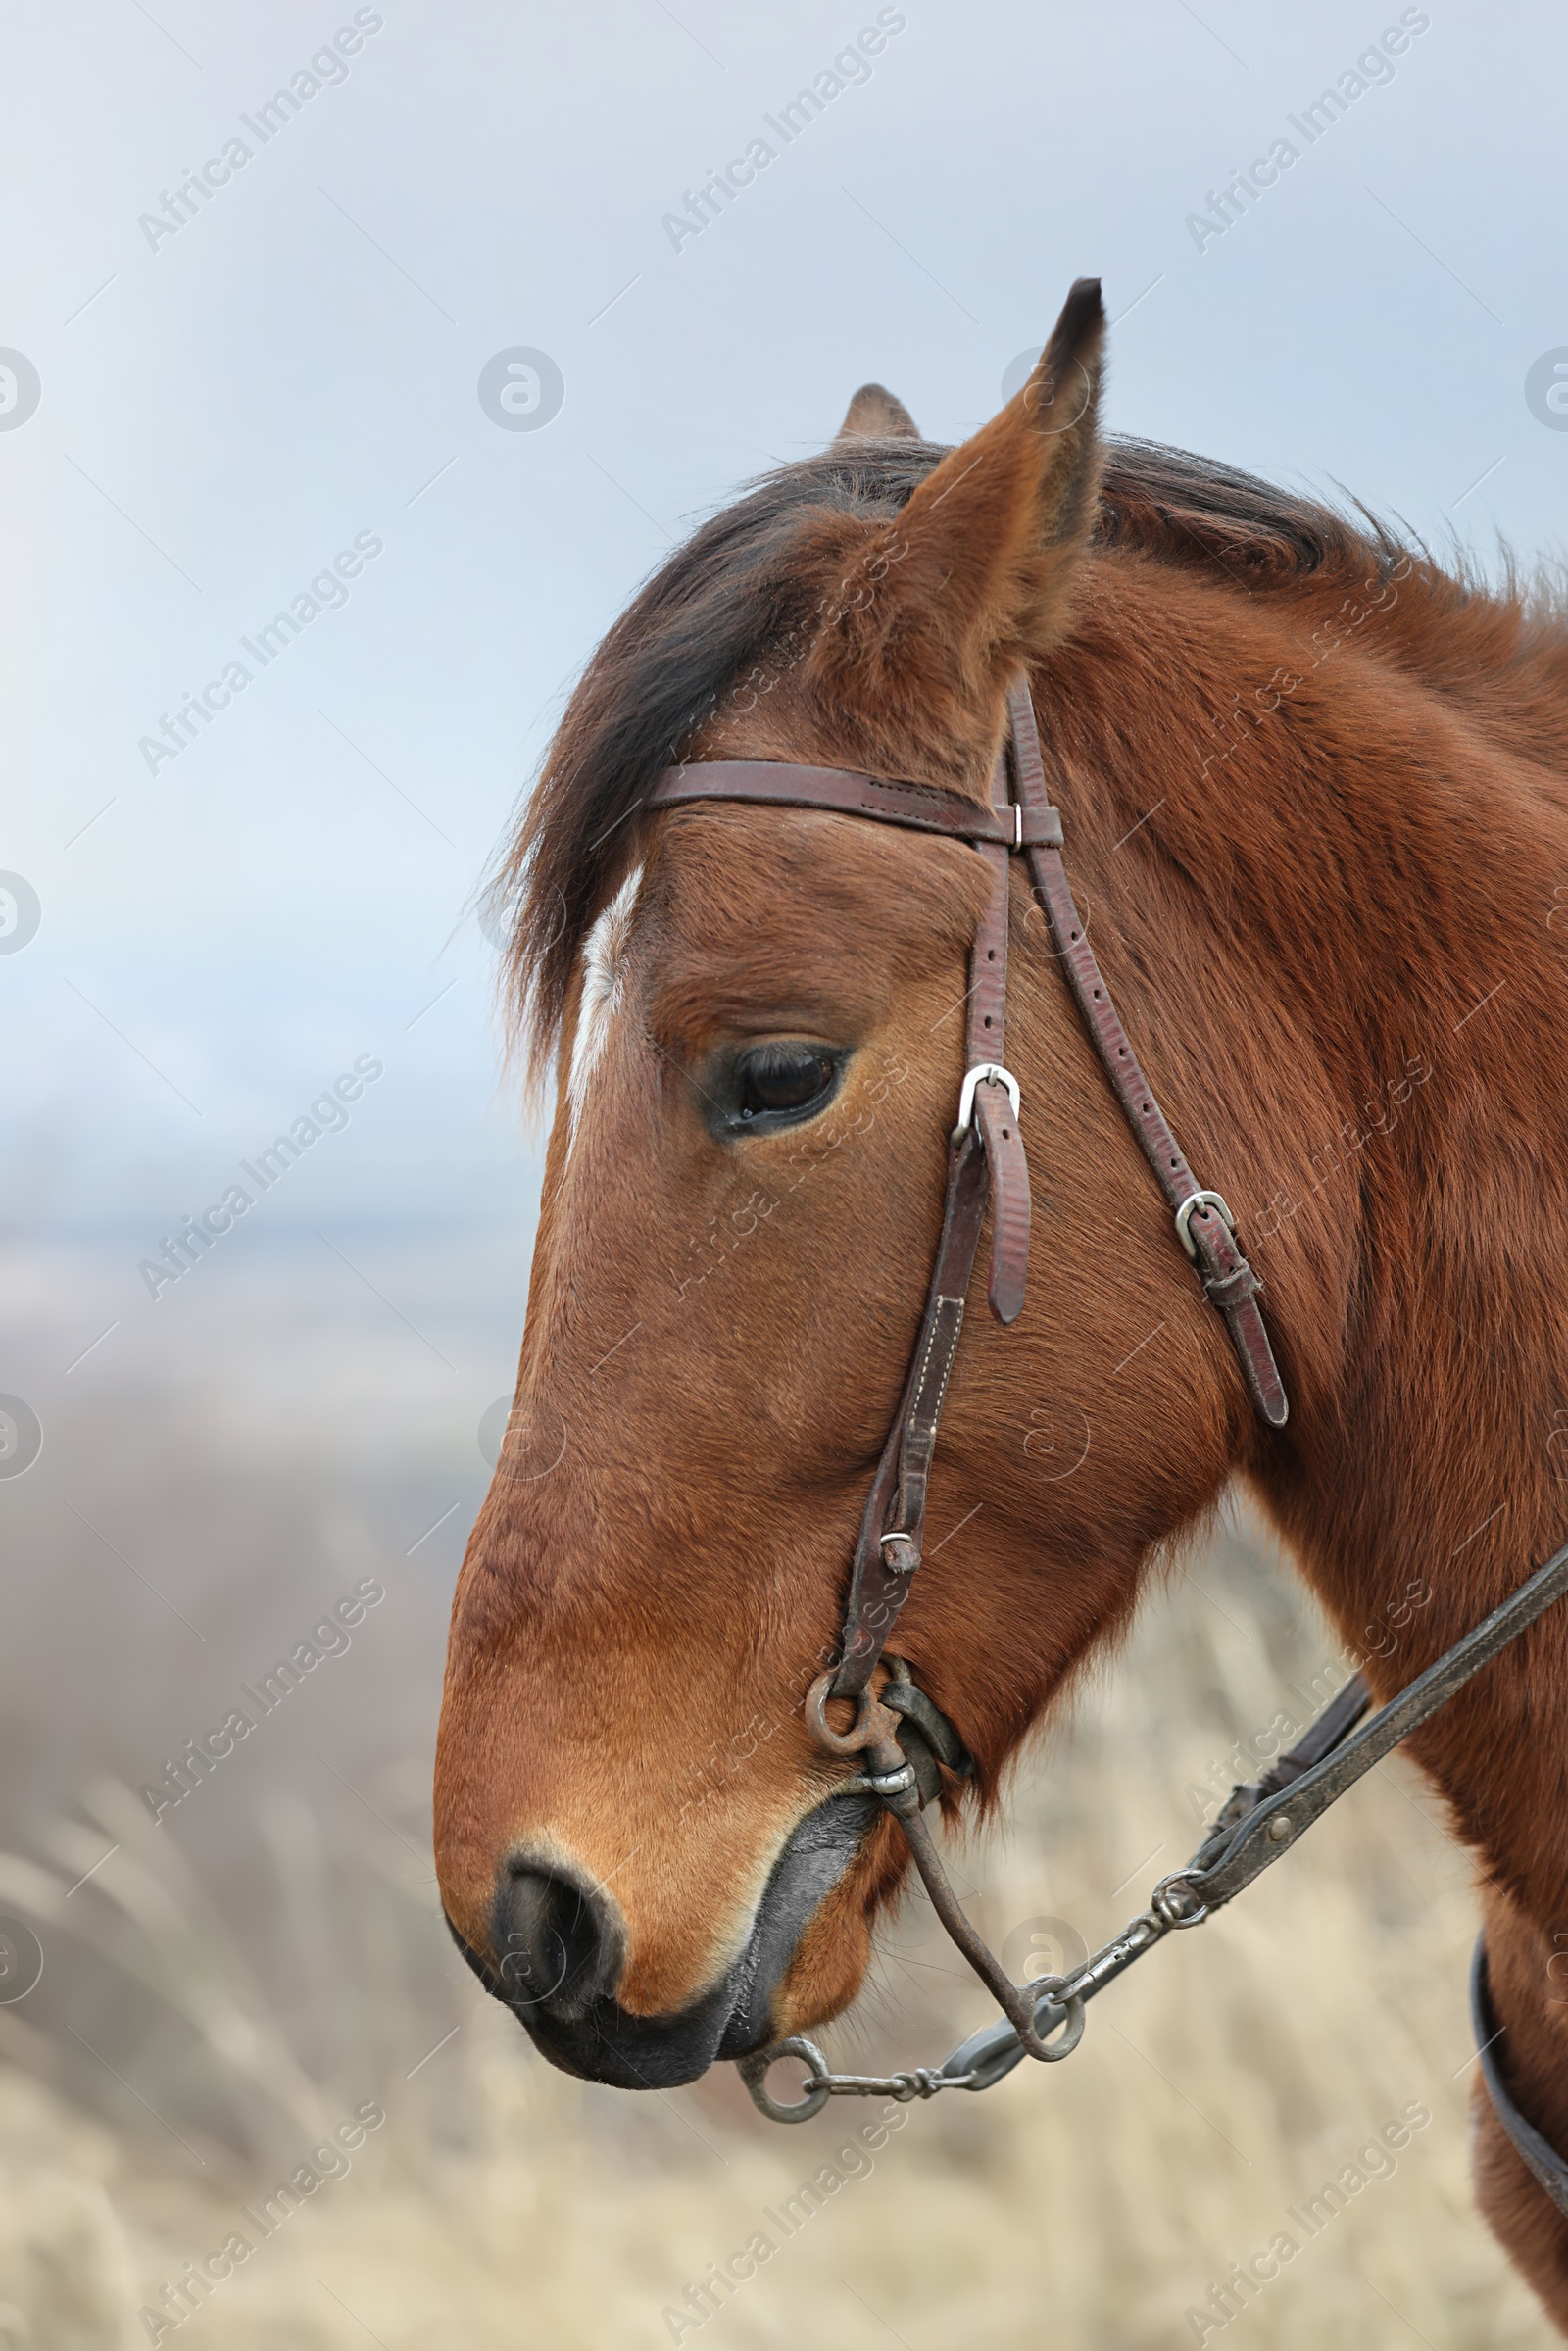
pixel 1183 1218
pixel 992 1073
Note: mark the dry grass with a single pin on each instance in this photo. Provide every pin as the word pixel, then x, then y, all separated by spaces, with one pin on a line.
pixel 1218 2086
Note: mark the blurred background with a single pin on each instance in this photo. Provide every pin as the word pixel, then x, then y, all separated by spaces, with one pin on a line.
pixel 456 318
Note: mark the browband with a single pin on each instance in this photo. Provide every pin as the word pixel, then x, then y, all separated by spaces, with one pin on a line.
pixel 924 808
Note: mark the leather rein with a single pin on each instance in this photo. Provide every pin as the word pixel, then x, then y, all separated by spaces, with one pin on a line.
pixel 900 1741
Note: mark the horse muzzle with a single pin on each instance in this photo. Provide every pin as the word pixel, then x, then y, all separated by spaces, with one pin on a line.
pixel 560 1953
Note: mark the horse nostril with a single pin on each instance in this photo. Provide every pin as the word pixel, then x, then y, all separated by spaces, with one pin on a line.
pixel 557 1944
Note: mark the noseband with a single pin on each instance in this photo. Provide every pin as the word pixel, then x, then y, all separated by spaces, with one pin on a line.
pixel 900 1740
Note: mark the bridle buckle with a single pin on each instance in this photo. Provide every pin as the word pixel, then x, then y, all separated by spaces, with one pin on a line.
pixel 992 1073
pixel 1183 1218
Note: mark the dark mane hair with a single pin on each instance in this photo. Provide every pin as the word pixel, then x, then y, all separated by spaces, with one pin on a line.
pixel 729 592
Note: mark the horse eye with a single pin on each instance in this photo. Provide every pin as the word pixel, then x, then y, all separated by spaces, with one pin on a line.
pixel 784 1077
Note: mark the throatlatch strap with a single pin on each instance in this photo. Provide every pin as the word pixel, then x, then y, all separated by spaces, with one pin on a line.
pixel 1227 1278
pixel 1539 2154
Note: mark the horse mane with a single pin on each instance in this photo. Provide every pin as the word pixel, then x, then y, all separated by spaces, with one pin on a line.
pixel 730 590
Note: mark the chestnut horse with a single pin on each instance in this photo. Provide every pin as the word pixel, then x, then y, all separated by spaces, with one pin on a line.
pixel 1316 810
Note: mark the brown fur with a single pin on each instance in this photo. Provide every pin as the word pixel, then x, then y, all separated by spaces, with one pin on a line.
pixel 1300 910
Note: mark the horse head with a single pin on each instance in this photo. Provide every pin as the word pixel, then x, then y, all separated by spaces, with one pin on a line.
pixel 756 1020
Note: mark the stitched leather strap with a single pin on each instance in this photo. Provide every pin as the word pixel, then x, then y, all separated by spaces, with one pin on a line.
pixel 1321 1737
pixel 1010 1204
pixel 924 807
pixel 1228 1280
pixel 882 1572
pixel 985 1162
pixel 986 1041
pixel 1337 1721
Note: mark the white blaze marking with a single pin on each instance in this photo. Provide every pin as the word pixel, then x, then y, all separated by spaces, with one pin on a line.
pixel 603 955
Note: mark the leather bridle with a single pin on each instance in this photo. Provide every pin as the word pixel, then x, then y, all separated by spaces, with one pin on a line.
pixel 986 1161
pixel 902 1740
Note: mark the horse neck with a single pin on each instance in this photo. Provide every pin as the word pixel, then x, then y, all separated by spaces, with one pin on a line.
pixel 1323 886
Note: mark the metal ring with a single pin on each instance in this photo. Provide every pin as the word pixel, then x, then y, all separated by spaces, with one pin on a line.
pixel 854 1741
pixel 990 1073
pixel 1183 1218
pixel 754 2072
pixel 1068 2014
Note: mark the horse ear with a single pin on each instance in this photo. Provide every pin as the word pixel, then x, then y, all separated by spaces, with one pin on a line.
pixel 874 414
pixel 987 546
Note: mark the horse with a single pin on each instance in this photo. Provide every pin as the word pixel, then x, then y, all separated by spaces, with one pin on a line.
pixel 1313 790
